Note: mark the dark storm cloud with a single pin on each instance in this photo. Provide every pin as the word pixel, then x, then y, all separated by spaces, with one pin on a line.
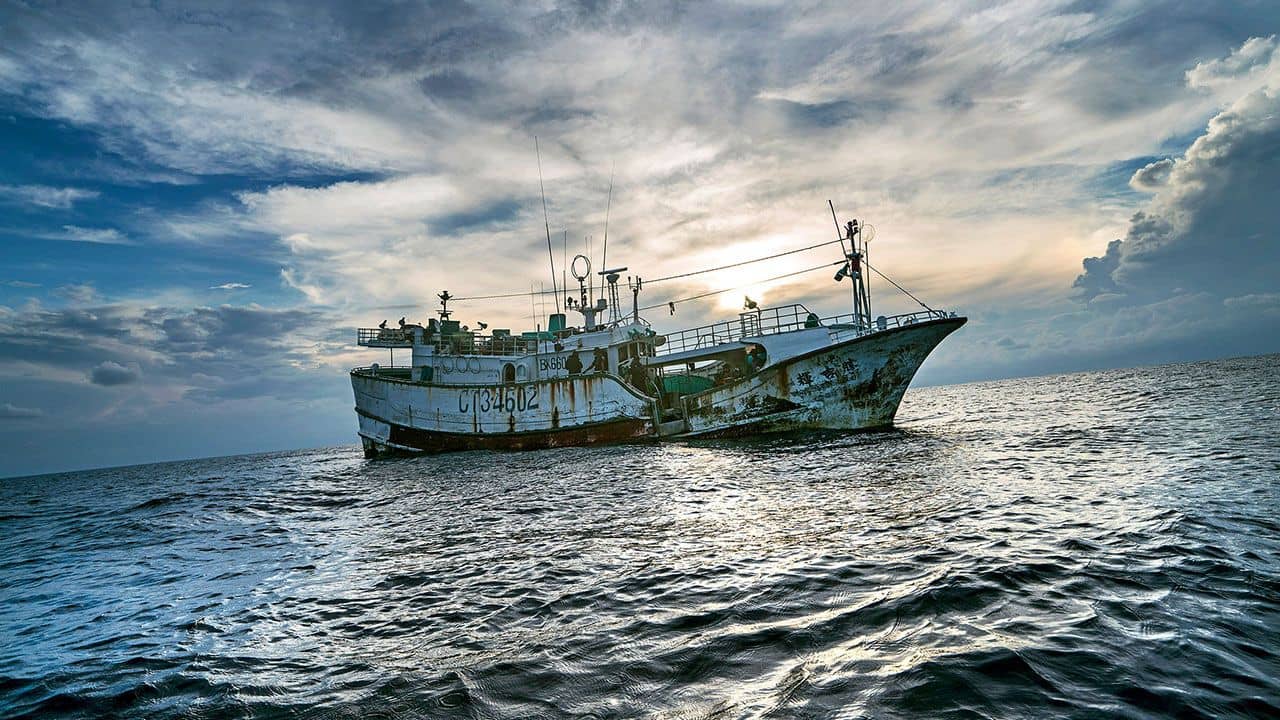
pixel 1212 226
pixel 1098 278
pixel 213 347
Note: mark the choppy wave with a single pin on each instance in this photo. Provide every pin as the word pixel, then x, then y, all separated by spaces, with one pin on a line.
pixel 1101 544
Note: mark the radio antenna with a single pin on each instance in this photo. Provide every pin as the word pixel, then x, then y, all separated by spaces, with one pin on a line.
pixel 547 223
pixel 604 260
pixel 839 234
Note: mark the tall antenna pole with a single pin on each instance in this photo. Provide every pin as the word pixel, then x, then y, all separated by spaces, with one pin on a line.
pixel 867 279
pixel 851 255
pixel 550 254
pixel 839 232
pixel 604 260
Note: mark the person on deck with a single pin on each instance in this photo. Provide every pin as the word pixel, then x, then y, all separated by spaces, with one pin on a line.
pixel 573 364
pixel 638 376
pixel 600 361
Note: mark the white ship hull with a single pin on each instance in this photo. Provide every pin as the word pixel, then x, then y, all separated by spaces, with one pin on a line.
pixel 851 385
pixel 399 415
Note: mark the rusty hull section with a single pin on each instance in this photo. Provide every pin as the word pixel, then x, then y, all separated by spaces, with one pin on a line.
pixel 380 438
pixel 856 384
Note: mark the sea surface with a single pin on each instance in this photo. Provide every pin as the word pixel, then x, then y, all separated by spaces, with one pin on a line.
pixel 1091 545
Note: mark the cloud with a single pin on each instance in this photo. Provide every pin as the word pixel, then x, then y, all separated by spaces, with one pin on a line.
pixel 1212 223
pixel 728 125
pixel 1204 249
pixel 177 92
pixel 1253 57
pixel 375 158
pixel 9 411
pixel 45 196
pixel 205 351
pixel 110 374
pixel 1265 302
pixel 1193 277
pixel 21 284
pixel 1152 176
pixel 1098 278
pixel 82 294
pixel 100 236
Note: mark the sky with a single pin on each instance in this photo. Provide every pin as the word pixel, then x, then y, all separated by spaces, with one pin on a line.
pixel 199 203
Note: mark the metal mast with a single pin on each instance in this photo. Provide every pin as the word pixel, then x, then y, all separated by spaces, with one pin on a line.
pixel 550 254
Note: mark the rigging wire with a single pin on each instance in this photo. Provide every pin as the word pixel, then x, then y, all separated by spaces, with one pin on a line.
pixel 683 275
pixel 533 293
pixel 740 264
pixel 891 282
pixel 740 287
pixel 604 260
pixel 547 223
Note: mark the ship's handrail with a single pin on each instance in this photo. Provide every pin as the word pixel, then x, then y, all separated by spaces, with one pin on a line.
pixel 461 343
pixel 383 337
pixel 858 326
pixel 473 344
pixel 787 318
pixel 765 321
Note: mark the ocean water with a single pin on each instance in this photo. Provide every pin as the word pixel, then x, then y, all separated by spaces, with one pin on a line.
pixel 1091 545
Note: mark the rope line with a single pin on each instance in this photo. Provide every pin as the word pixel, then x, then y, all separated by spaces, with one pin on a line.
pixel 891 282
pixel 744 262
pixel 739 287
pixel 502 296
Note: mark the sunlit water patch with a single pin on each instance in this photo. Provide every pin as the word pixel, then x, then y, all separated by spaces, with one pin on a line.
pixel 1101 544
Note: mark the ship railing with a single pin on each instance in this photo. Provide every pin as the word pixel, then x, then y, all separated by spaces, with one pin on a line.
pixel 788 318
pixel 395 371
pixel 851 325
pixel 460 343
pixel 765 321
pixel 383 337
pixel 471 344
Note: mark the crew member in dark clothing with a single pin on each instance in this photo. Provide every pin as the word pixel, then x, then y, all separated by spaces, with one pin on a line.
pixel 600 361
pixel 573 364
pixel 637 376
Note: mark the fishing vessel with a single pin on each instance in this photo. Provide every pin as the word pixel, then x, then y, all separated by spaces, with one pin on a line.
pixel 610 377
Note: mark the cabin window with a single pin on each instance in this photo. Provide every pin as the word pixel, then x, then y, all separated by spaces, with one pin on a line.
pixel 508 373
